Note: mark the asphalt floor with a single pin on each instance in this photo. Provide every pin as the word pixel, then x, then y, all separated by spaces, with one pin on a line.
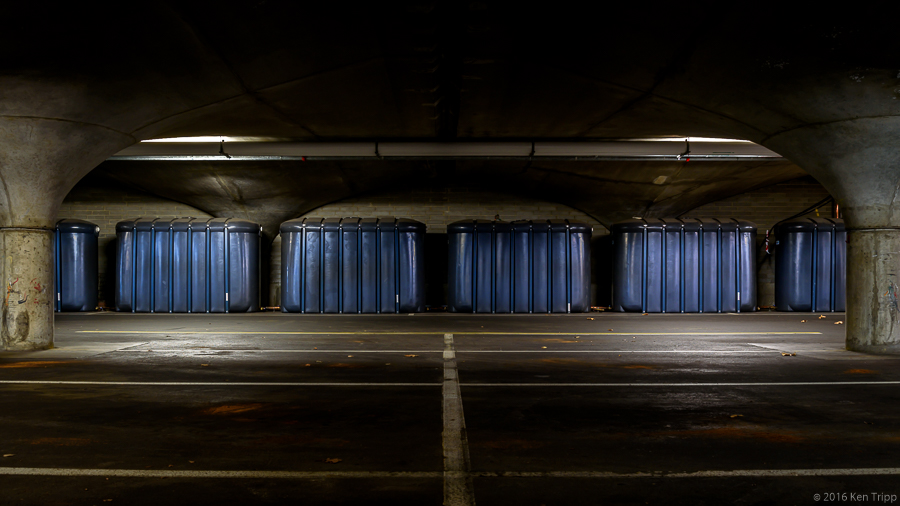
pixel 600 408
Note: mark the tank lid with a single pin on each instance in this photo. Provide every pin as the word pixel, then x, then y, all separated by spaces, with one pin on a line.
pixel 77 227
pixel 634 225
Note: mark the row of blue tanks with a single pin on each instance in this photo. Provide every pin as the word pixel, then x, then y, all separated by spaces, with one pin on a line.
pixel 376 265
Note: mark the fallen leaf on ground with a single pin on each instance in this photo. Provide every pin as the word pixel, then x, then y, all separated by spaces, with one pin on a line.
pixel 410 355
pixel 388 363
pixel 735 416
pixel 9 454
pixel 590 318
pixel 333 461
pixel 576 337
pixel 786 354
pixel 645 314
pixel 609 330
pixel 190 462
pixel 349 356
pixel 839 322
pixel 307 365
pixel 204 365
pixel 821 317
pixel 543 347
pixel 802 321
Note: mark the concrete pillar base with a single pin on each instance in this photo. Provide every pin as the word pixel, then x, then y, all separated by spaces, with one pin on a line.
pixel 873 290
pixel 28 272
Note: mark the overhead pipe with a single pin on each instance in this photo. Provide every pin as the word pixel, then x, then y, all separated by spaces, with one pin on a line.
pixel 557 150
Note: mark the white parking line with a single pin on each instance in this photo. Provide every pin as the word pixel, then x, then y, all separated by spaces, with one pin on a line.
pixel 656 385
pixel 360 351
pixel 213 383
pixel 152 473
pixel 458 489
pixel 380 333
pixel 739 473
pixel 504 385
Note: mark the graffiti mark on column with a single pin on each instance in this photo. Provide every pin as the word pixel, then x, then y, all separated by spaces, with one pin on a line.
pixel 891 295
pixel 9 290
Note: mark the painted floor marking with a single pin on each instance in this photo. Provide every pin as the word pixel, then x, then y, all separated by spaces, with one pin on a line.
pixel 739 473
pixel 152 473
pixel 380 333
pixel 454 380
pixel 214 383
pixel 655 385
pixel 211 351
pixel 458 487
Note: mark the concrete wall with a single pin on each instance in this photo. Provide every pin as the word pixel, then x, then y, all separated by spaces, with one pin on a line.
pixel 766 207
pixel 107 204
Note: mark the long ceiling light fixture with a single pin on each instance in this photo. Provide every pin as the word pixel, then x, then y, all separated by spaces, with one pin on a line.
pixel 212 148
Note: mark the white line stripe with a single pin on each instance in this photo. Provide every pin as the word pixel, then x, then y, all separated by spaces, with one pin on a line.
pixel 150 473
pixel 212 383
pixel 326 333
pixel 704 352
pixel 458 489
pixel 756 473
pixel 654 385
pixel 349 384
pixel 210 351
pixel 213 351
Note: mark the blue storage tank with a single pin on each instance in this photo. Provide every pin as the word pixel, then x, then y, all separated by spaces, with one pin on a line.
pixel 352 265
pixel 188 265
pixel 75 255
pixel 811 265
pixel 519 267
pixel 686 266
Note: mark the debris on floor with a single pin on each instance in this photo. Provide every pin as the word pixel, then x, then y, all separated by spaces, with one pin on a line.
pixel 645 314
pixel 410 355
pixel 802 321
pixel 333 461
pixel 839 322
pixel 9 455
pixel 204 365
pixel 590 318
pixel 735 416
pixel 821 317
pixel 786 354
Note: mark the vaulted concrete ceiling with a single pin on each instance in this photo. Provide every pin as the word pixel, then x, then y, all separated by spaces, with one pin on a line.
pixel 449 70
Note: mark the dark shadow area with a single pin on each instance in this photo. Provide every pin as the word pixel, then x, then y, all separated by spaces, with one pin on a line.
pixel 601 270
pixel 108 279
pixel 435 271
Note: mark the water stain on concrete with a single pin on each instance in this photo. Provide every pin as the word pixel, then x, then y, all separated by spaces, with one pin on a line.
pixel 232 409
pixel 61 441
pixel 34 364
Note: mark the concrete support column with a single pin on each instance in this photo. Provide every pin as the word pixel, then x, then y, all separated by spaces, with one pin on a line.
pixel 858 161
pixel 28 275
pixel 873 286
pixel 40 160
